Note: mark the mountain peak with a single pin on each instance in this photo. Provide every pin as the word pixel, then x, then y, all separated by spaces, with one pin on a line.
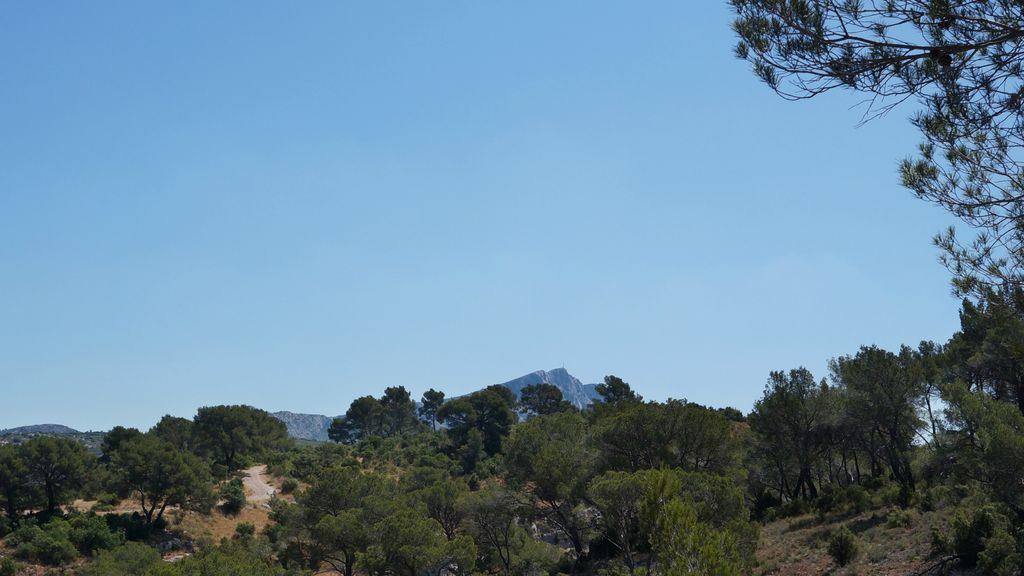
pixel 572 389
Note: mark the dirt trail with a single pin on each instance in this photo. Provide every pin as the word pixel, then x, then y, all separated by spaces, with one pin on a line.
pixel 257 491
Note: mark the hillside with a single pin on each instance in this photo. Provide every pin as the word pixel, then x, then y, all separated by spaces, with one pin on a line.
pixel 890 542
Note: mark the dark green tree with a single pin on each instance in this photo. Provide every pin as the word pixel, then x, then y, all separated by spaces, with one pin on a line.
pixel 441 500
pixel 364 418
pixel 405 543
pixel 57 465
pixel 789 420
pixel 335 510
pixel 615 391
pixel 159 475
pixel 550 458
pixel 636 436
pixel 399 411
pixel 113 439
pixel 178 431
pixel 619 496
pixel 883 391
pixel 988 351
pixel 226 433
pixel 16 489
pixel 489 411
pixel 430 403
pixel 542 399
pixel 491 517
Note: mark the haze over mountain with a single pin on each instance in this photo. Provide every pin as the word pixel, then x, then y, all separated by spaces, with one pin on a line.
pixel 315 426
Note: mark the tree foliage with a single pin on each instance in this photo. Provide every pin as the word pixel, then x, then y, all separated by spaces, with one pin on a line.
pixel 159 475
pixel 230 433
pixel 542 399
pixel 57 466
pixel 961 61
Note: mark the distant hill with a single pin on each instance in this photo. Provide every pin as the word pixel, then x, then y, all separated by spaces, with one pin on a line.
pixel 305 426
pixel 21 434
pixel 45 429
pixel 315 426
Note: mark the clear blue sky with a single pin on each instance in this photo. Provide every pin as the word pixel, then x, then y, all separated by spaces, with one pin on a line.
pixel 290 205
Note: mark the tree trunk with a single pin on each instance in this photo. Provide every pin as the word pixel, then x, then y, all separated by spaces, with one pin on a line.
pixel 51 496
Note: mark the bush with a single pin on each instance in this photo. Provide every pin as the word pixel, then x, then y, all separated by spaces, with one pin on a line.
pixel 233 495
pixel 764 502
pixel 831 498
pixel 797 507
pixel 898 519
pixel 245 530
pixel 1000 556
pixel 8 567
pixel 970 532
pixel 106 502
pixel 940 543
pixel 50 544
pixel 132 559
pixel 842 546
pixel 132 526
pixel 858 498
pixel 289 485
pixel 973 534
pixel 91 534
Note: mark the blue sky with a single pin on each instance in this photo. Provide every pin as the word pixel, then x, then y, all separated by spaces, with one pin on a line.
pixel 290 205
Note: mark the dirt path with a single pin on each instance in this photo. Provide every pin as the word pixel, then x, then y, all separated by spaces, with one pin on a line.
pixel 257 491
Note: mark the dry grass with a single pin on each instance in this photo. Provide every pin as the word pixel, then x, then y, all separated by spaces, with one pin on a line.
pixel 799 546
pixel 217 525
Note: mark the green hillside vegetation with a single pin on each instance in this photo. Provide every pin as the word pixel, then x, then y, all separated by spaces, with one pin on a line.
pixel 909 458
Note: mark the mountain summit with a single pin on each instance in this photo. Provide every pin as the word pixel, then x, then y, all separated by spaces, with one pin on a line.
pixel 576 392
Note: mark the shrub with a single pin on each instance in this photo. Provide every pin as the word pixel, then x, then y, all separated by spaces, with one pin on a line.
pixel 289 485
pixel 91 534
pixel 233 495
pixel 49 546
pixel 858 498
pixel 898 519
pixel 984 539
pixel 830 499
pixel 245 530
pixel 132 559
pixel 106 502
pixel 971 531
pixel 797 507
pixel 940 543
pixel 8 567
pixel 842 546
pixel 133 525
pixel 1000 556
pixel 764 502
